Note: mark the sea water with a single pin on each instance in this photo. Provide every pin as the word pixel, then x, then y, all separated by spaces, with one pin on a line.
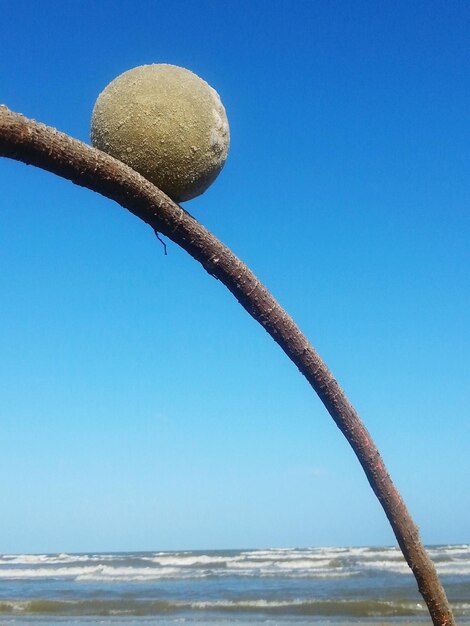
pixel 270 587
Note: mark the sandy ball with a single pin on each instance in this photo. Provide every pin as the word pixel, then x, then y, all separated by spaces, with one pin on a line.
pixel 167 124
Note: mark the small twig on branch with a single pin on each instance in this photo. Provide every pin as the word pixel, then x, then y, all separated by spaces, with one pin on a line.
pixel 160 240
pixel 26 140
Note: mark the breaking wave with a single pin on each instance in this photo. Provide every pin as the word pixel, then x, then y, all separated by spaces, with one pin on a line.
pixel 356 582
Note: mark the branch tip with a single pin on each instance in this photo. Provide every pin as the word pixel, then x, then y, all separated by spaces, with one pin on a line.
pixel 161 241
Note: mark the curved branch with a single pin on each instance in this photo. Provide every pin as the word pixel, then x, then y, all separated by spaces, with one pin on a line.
pixel 36 144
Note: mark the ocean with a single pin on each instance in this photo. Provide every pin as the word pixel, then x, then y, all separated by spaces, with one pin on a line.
pixel 270 587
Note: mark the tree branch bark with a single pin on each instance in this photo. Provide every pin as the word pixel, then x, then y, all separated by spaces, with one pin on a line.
pixel 36 144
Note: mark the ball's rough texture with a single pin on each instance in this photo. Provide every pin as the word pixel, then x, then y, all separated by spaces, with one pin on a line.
pixel 167 124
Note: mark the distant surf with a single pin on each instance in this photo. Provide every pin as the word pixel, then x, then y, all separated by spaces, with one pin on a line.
pixel 275 586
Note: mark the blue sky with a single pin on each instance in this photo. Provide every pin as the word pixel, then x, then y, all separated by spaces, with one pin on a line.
pixel 140 406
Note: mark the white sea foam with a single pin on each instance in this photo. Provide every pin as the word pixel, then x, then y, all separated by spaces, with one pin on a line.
pixel 94 572
pixel 321 574
pixel 453 552
pixel 213 604
pixel 50 559
pixel 266 563
pixel 23 559
pixel 277 565
pixel 44 572
pixel 134 574
pixel 396 567
pixel 190 560
pixel 453 569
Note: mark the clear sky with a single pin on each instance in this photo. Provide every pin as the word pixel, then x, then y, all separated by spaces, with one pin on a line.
pixel 140 406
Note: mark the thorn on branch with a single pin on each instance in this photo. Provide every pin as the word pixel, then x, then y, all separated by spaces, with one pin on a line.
pixel 161 241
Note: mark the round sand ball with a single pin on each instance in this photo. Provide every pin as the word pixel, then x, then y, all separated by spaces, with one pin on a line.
pixel 167 124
